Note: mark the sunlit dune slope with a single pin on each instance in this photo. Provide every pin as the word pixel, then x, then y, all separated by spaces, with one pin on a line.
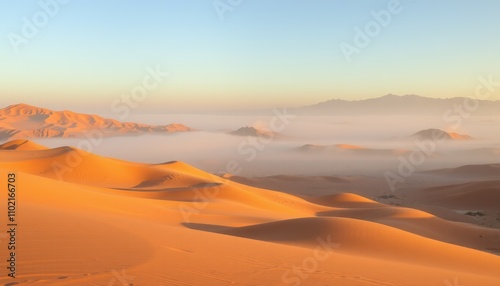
pixel 173 224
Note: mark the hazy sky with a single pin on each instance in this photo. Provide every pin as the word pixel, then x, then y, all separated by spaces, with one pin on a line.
pixel 261 53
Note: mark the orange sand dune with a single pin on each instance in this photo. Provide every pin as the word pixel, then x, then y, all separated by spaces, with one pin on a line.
pixel 111 222
pixel 255 132
pixel 389 242
pixel 314 185
pixel 344 200
pixel 348 146
pixel 456 136
pixel 438 134
pixel 348 149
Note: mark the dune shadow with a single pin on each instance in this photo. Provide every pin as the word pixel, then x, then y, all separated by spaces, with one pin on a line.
pixel 208 227
pixel 152 183
pixel 39 117
pixel 280 232
pixel 166 163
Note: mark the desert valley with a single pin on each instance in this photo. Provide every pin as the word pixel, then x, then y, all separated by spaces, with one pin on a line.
pixel 352 207
pixel 249 143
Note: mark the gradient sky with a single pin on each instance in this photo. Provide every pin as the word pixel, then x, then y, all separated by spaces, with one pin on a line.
pixel 263 53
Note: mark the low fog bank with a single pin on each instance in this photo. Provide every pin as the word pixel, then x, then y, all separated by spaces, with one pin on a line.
pixel 372 128
pixel 304 146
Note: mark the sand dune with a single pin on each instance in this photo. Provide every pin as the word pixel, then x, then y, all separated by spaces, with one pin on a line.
pixel 22 121
pixel 173 224
pixel 348 146
pixel 471 191
pixel 471 171
pixel 348 149
pixel 389 242
pixel 468 196
pixel 314 185
pixel 254 132
pixel 438 135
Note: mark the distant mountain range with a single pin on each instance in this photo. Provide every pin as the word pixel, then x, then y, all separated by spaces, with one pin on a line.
pixel 398 105
pixel 22 121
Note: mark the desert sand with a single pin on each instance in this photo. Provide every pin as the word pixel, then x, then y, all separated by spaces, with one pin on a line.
pixel 90 220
